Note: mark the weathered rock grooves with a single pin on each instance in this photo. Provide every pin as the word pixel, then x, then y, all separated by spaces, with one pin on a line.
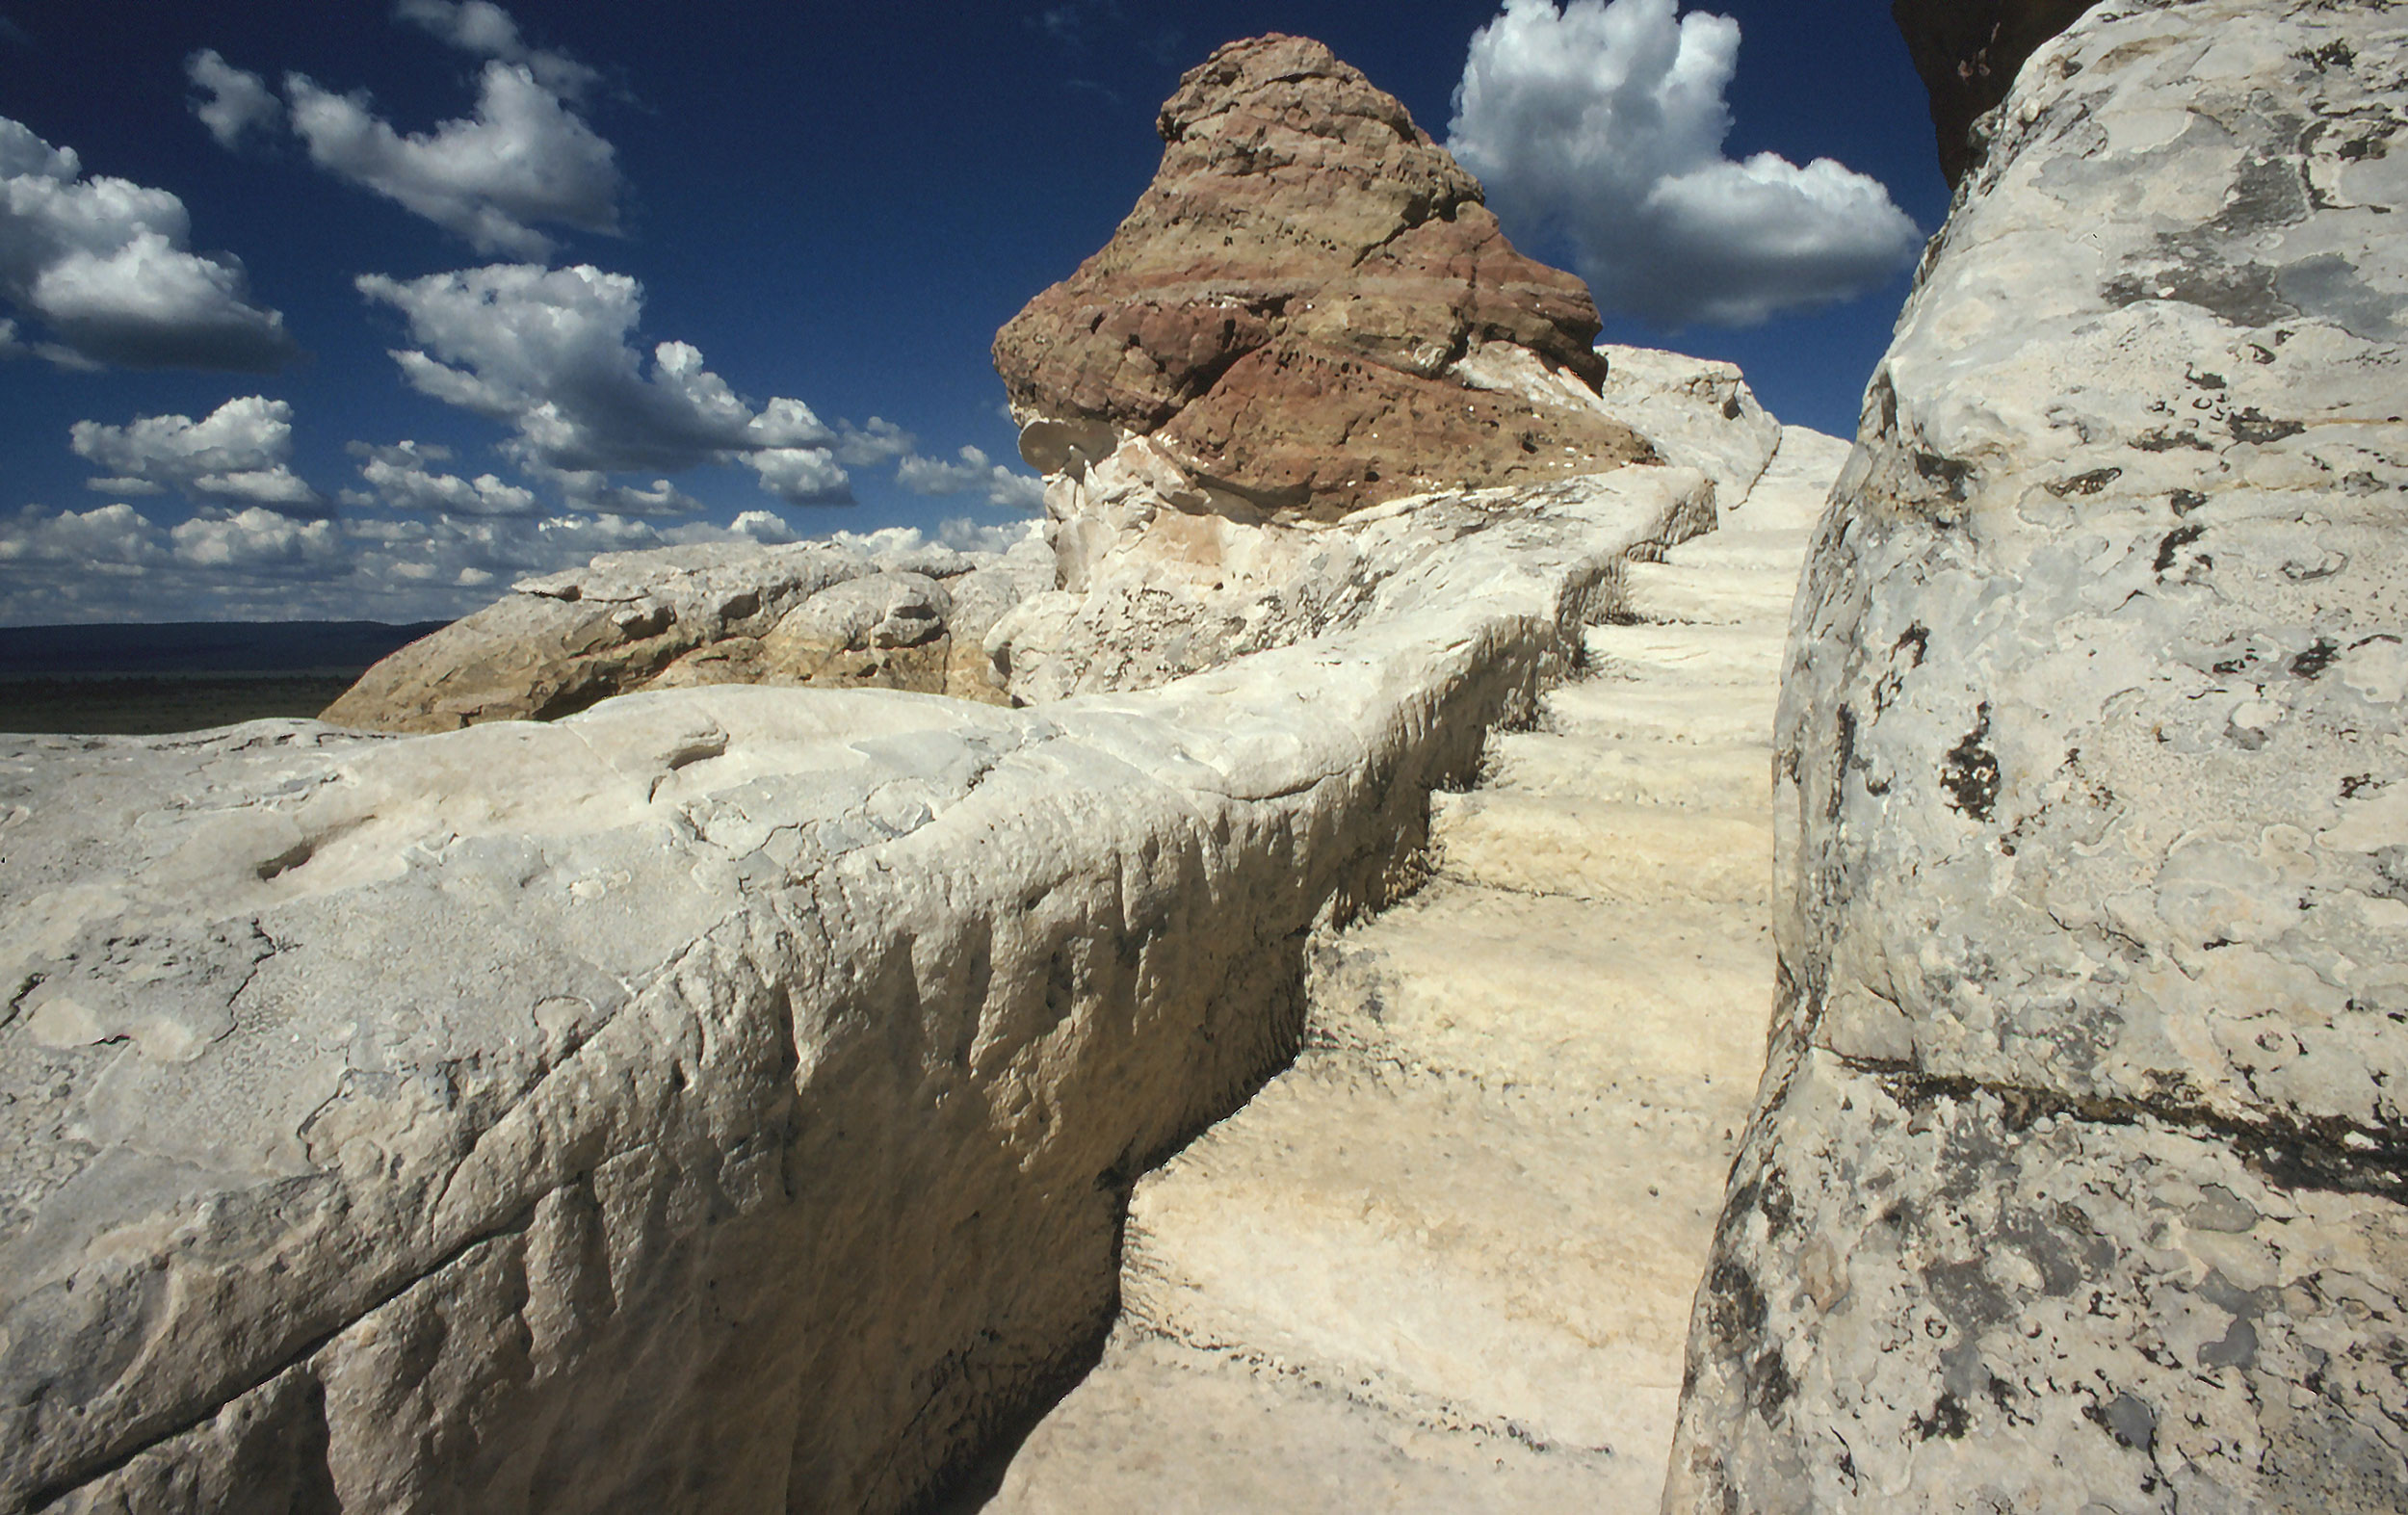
pixel 722 1098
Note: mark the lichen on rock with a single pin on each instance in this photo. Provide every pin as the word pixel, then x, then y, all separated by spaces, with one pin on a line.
pixel 2076 1177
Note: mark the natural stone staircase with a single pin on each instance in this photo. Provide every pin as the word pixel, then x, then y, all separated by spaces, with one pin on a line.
pixel 1445 1261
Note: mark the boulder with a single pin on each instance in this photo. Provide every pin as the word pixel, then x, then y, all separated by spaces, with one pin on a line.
pixel 678 616
pixel 1284 309
pixel 2078 1178
pixel 1968 52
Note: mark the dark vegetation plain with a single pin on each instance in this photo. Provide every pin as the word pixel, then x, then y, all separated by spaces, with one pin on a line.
pixel 148 680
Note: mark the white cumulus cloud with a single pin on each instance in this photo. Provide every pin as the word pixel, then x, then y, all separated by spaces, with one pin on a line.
pixel 875 441
pixel 549 353
pixel 237 455
pixel 523 158
pixel 104 263
pixel 974 471
pixel 254 540
pixel 1604 123
pixel 403 480
pixel 486 30
pixel 238 102
pixel 116 540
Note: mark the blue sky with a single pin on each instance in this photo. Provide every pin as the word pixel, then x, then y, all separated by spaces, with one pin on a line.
pixel 674 271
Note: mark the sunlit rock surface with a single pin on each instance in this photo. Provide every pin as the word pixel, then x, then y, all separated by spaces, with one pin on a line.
pixel 2076 1180
pixel 720 1100
pixel 1286 311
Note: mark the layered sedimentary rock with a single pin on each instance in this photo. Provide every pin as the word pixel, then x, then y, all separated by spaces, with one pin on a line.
pixel 2076 1179
pixel 720 1100
pixel 1968 52
pixel 1286 311
pixel 819 613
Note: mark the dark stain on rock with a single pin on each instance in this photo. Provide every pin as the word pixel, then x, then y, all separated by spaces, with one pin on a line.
pixel 1774 1200
pixel 1949 1418
pixel 1946 472
pixel 2165 441
pixel 2204 381
pixel 2130 1422
pixel 2089 484
pixel 2179 537
pixel 1770 1385
pixel 2312 663
pixel 1966 1295
pixel 2185 501
pixel 1737 1311
pixel 2254 425
pixel 2242 295
pixel 2356 784
pixel 1971 772
pixel 1918 638
pixel 2238 1347
pixel 2391 871
pixel 1843 752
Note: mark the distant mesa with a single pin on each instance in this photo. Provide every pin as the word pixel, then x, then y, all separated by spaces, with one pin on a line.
pixel 1310 310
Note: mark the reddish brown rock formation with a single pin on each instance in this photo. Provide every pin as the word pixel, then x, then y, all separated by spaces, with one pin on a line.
pixel 1284 306
pixel 1968 52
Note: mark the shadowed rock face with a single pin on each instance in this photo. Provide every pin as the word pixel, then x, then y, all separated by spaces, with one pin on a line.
pixel 1968 52
pixel 1285 304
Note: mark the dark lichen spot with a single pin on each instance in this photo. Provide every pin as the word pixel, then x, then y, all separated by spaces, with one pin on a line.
pixel 2356 784
pixel 2179 537
pixel 2204 381
pixel 2254 425
pixel 1844 751
pixel 1737 1311
pixel 2125 1419
pixel 2313 663
pixel 2089 484
pixel 2243 295
pixel 2163 440
pixel 1971 772
pixel 2185 501
pixel 1945 472
pixel 1948 1418
pixel 1918 638
pixel 1770 1385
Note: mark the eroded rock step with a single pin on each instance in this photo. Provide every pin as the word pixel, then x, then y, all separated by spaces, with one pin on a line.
pixel 1446 1261
pixel 1632 853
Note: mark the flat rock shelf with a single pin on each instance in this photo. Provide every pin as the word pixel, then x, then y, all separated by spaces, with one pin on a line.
pixel 1446 1261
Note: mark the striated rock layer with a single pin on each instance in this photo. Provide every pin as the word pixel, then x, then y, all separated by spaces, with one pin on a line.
pixel 2079 1179
pixel 1287 309
pixel 722 1099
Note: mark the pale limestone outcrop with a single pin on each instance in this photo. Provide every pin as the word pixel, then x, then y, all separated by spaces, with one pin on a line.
pixel 1158 580
pixel 721 614
pixel 2075 1181
pixel 722 1098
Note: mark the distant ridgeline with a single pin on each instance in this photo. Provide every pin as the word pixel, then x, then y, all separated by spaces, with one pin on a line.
pixel 183 675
